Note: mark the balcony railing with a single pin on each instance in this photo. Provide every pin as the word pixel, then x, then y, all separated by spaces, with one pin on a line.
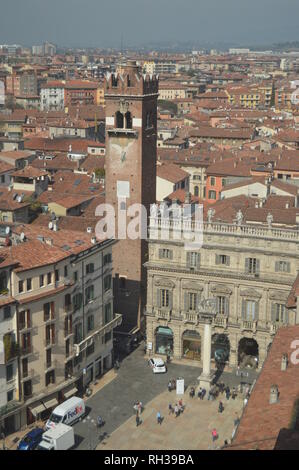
pixel 104 329
pixel 157 224
pixel 165 314
pixel 249 325
pixel 50 341
pixel 50 364
pixel 27 374
pixel 68 308
pixel 220 321
pixel 25 326
pixel 190 317
pixel 24 350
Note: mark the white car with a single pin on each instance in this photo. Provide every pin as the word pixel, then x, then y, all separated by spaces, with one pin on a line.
pixel 158 365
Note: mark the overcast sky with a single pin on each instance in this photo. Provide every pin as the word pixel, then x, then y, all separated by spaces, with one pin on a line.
pixel 100 23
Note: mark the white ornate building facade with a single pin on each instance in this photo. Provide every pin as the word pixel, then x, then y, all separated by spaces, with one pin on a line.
pixel 250 270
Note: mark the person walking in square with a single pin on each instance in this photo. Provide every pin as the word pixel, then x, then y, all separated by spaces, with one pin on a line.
pixel 176 410
pixel 214 434
pixel 159 418
pixel 138 421
pixel 170 408
pixel 220 407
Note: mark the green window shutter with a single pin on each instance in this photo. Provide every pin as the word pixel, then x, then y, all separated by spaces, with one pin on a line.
pixel 273 312
pixel 247 265
pixel 188 259
pixel 243 309
pixel 256 313
pixel 160 253
pixel 257 266
pixel 170 254
pixel 170 300
pixel 288 267
pixel 226 306
pixel 276 266
pixel 186 301
pixel 217 259
pixel 198 261
pixel 286 316
pixel 159 298
pixel 227 260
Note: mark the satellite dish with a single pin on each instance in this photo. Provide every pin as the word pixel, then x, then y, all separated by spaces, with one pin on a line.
pixel 22 236
pixel 7 230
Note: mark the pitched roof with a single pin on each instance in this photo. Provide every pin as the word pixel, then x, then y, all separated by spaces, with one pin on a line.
pixel 261 421
pixel 172 173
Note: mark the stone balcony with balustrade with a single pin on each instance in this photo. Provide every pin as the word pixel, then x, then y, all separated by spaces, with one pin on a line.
pixel 178 228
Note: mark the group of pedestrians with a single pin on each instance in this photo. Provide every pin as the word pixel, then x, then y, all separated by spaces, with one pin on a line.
pixel 177 409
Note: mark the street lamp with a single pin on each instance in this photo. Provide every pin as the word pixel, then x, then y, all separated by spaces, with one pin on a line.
pixel 207 312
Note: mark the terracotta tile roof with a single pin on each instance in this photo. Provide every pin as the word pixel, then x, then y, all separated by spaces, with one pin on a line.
pixel 68 222
pixel 59 162
pixel 171 172
pixel 9 202
pixel 61 144
pixel 16 154
pixel 261 422
pixel 30 172
pixel 92 162
pixel 180 195
pixel 221 133
pixel 73 201
pixel 5 167
pixel 292 298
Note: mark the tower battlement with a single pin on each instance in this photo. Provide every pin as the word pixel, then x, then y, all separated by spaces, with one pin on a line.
pixel 129 81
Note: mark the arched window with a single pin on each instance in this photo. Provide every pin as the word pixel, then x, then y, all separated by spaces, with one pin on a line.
pixel 128 117
pixel 196 191
pixel 128 81
pixel 119 120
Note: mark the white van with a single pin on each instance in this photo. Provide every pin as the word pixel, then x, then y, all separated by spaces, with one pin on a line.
pixel 67 413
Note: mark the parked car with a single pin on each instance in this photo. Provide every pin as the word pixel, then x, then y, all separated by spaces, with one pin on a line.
pixel 158 365
pixel 31 440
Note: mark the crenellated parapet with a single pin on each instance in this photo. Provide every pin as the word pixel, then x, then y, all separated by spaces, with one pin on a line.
pixel 130 81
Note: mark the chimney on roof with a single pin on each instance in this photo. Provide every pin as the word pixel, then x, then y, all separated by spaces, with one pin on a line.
pixel 284 361
pixel 287 205
pixel 256 204
pixel 55 225
pixel 235 164
pixel 274 394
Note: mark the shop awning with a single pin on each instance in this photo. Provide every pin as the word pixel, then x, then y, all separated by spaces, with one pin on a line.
pixel 50 403
pixel 37 409
pixel 70 392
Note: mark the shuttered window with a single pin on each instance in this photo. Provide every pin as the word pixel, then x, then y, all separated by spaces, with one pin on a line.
pixel 222 259
pixel 252 266
pixel 164 253
pixel 193 259
pixel 250 310
pixel 283 266
pixel 279 313
pixel 164 298
pixel 222 305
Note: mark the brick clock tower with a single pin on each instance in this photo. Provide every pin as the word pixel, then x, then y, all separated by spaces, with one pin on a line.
pixel 131 153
